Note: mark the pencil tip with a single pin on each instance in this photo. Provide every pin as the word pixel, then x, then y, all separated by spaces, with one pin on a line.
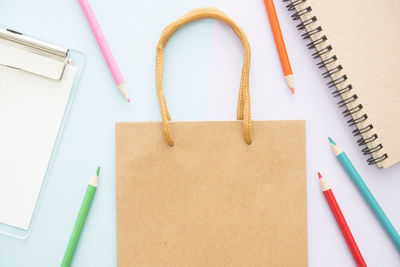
pixel 290 82
pixel 319 175
pixel 124 92
pixel 331 141
pixel 95 178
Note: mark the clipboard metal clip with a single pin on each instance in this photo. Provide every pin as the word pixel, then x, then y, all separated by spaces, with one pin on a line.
pixel 28 54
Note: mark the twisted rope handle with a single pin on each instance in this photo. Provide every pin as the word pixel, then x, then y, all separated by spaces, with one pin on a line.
pixel 243 108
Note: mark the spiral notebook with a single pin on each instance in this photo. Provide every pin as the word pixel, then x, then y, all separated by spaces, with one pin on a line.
pixel 36 88
pixel 358 46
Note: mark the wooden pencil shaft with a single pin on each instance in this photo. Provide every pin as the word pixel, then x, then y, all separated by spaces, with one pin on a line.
pixel 344 228
pixel 369 198
pixel 104 47
pixel 79 223
pixel 277 33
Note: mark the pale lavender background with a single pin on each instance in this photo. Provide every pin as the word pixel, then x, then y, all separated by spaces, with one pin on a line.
pixel 272 100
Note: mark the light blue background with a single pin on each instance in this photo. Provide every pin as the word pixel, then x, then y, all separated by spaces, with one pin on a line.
pixel 132 29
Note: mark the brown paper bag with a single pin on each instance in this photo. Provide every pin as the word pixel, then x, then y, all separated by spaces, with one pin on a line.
pixel 206 196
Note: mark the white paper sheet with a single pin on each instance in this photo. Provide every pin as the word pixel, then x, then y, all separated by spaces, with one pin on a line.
pixel 31 112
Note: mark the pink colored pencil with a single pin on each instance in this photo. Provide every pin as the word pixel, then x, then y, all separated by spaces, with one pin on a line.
pixel 105 49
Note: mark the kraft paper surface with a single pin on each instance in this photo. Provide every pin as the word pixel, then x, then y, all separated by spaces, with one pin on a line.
pixel 365 37
pixel 211 199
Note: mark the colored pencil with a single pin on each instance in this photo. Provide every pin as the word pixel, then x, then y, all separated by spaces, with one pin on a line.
pixel 366 193
pixel 341 221
pixel 80 220
pixel 280 43
pixel 105 49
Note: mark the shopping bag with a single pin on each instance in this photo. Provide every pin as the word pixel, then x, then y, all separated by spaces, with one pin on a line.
pixel 220 193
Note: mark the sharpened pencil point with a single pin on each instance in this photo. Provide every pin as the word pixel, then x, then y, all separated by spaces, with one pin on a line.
pixel 331 141
pixel 319 175
pixel 336 149
pixel 129 100
pixel 290 82
pixel 124 92
pixel 98 171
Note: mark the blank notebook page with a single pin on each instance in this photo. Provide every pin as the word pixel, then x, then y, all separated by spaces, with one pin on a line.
pixel 31 112
pixel 365 37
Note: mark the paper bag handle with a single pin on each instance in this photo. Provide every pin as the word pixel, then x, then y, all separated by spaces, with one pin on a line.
pixel 243 108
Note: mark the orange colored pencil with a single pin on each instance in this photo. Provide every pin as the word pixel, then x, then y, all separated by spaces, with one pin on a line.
pixel 341 221
pixel 280 43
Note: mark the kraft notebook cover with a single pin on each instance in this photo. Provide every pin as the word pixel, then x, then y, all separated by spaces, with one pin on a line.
pixel 358 46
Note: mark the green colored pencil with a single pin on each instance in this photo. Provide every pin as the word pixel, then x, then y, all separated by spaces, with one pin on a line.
pixel 80 220
pixel 368 197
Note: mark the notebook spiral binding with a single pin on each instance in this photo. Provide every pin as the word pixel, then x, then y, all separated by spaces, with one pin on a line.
pixel 343 89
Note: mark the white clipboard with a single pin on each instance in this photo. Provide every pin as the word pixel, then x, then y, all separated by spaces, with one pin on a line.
pixel 38 82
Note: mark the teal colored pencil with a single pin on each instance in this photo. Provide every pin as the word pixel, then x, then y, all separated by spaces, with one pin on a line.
pixel 369 198
pixel 80 220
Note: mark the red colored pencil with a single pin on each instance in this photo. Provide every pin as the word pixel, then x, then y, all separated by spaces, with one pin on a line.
pixel 351 243
pixel 280 43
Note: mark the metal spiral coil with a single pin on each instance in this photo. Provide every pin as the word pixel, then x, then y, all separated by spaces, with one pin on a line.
pixel 353 121
pixel 345 102
pixel 372 160
pixel 324 63
pixel 298 14
pixel 336 82
pixel 308 34
pixel 360 131
pixel 340 92
pixel 330 72
pixel 364 141
pixel 313 44
pixel 305 23
pixel 320 44
pixel 293 4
